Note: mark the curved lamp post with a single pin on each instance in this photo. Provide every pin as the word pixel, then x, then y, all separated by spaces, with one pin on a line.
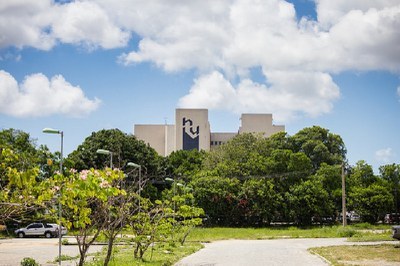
pixel 61 133
pixel 140 177
pixel 172 180
pixel 106 152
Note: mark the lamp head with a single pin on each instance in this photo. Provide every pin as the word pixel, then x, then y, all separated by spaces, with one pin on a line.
pixel 133 165
pixel 102 151
pixel 51 131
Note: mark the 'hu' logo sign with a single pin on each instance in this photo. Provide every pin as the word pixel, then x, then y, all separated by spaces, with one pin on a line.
pixel 190 135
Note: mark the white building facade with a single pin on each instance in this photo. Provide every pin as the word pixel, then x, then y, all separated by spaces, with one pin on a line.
pixel 192 131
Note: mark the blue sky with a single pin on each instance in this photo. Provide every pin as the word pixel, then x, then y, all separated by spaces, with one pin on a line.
pixel 81 66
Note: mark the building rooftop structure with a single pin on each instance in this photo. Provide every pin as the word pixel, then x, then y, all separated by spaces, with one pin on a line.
pixel 192 131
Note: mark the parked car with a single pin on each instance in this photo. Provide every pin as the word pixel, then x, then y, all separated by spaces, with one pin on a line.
pixel 392 218
pixel 40 229
pixel 64 230
pixel 396 232
pixel 354 217
pixel 351 217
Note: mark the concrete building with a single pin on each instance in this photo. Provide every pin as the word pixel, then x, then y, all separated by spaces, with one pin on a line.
pixel 192 131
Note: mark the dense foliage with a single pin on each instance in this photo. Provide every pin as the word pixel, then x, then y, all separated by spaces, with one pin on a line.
pixel 249 181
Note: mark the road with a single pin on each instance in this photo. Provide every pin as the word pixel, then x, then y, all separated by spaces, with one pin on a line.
pixel 43 250
pixel 279 252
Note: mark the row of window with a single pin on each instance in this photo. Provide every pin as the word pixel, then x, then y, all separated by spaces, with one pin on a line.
pixel 216 143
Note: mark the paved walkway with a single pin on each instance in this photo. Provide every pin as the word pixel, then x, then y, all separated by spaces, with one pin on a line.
pixel 279 252
pixel 43 250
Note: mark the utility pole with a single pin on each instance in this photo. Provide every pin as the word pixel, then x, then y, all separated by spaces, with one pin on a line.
pixel 344 216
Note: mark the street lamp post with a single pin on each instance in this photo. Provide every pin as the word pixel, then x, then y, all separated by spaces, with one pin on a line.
pixel 344 211
pixel 140 177
pixel 106 152
pixel 61 133
pixel 174 191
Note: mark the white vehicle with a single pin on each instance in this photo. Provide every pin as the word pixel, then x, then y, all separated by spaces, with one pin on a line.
pixel 40 229
pixel 64 230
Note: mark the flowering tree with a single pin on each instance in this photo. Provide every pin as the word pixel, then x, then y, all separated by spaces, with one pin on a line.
pixel 84 196
pixel 17 187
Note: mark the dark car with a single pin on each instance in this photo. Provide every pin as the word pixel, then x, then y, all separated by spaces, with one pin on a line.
pixel 392 218
pixel 396 232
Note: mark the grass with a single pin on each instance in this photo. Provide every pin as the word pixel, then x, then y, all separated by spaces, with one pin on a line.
pixel 360 255
pixel 163 255
pixel 167 254
pixel 356 233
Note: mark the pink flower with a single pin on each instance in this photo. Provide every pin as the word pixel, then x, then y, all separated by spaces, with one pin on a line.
pixel 83 174
pixel 104 184
pixel 73 171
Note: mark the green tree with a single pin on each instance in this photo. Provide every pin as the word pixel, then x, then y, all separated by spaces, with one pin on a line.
pixel 391 173
pixel 125 148
pixel 185 214
pixel 258 201
pixel 17 187
pixel 371 202
pixel 218 197
pixel 184 163
pixel 320 146
pixel 86 205
pixel 309 199
pixel 361 175
pixel 153 223
pixel 231 159
pixel 330 176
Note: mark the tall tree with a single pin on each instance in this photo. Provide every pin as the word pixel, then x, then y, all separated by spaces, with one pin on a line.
pixel 88 205
pixel 17 187
pixel 125 148
pixel 184 163
pixel 320 146
pixel 307 199
pixel 391 173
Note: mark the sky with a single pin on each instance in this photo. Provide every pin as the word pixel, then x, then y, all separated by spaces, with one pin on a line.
pixel 82 66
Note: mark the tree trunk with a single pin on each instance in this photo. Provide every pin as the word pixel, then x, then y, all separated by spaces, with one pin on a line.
pixel 109 250
pixel 83 255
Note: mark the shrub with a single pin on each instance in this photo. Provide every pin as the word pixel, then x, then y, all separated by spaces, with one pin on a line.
pixel 346 232
pixel 29 262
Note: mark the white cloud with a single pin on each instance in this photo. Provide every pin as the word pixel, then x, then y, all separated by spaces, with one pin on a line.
pixel 303 93
pixel 330 12
pixel 39 96
pixel 384 155
pixel 41 24
pixel 87 23
pixel 239 35
pixel 226 37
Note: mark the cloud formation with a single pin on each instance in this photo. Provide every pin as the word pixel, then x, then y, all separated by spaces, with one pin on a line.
pixel 384 155
pixel 223 41
pixel 39 96
pixel 289 93
pixel 42 24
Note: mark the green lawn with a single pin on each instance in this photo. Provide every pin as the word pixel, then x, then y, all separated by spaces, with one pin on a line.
pixel 357 233
pixel 167 254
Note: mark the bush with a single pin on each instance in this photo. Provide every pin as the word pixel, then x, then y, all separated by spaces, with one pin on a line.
pixel 346 232
pixel 29 262
pixel 64 257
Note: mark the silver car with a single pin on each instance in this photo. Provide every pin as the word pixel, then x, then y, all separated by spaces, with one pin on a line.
pixel 40 229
